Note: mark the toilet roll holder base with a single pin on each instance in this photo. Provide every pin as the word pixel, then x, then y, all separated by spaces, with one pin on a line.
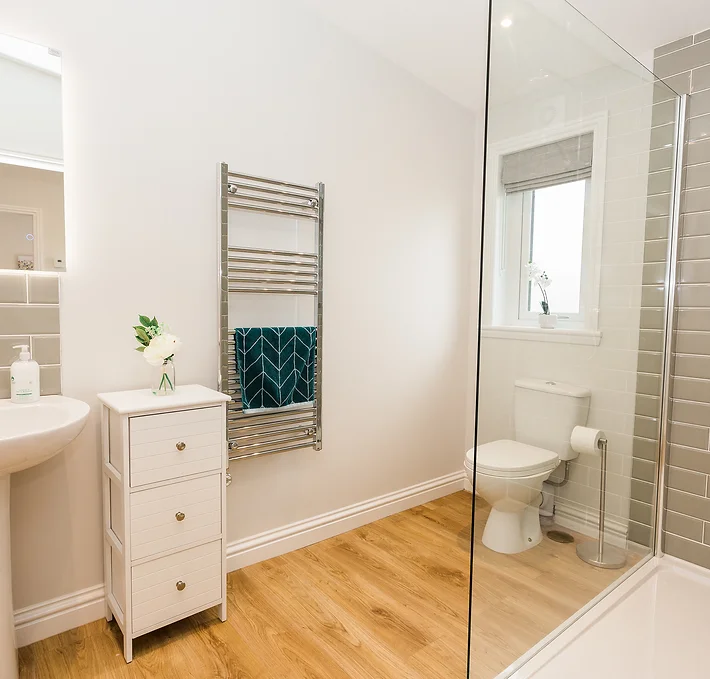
pixel 597 552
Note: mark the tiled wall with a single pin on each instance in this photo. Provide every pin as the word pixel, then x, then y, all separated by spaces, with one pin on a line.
pixel 29 314
pixel 685 65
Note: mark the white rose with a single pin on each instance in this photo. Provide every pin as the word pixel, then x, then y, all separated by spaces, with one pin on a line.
pixel 160 348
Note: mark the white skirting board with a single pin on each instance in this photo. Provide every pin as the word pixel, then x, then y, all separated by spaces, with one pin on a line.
pixel 586 521
pixel 48 618
pixel 273 543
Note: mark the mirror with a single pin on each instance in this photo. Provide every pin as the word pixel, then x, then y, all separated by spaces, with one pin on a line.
pixel 31 157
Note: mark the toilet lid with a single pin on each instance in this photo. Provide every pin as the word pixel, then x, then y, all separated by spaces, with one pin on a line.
pixel 512 458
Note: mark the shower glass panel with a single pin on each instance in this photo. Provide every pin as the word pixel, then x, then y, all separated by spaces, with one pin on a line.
pixel 579 196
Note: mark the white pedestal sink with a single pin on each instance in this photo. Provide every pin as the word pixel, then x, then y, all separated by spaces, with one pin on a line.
pixel 29 434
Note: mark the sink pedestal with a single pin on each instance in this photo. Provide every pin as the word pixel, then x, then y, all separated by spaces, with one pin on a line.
pixel 8 652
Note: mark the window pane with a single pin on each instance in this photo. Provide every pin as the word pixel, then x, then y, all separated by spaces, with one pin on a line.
pixel 556 245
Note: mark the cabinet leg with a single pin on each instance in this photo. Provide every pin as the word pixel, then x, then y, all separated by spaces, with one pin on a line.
pixel 109 613
pixel 127 648
pixel 223 611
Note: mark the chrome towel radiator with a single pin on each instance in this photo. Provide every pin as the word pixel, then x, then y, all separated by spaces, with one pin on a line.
pixel 257 271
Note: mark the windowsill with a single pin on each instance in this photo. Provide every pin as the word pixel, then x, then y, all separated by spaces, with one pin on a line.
pixel 531 333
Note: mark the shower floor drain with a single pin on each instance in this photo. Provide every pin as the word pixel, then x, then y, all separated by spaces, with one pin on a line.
pixel 559 536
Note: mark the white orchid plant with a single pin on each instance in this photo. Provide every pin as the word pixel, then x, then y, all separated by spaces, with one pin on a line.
pixel 157 344
pixel 540 278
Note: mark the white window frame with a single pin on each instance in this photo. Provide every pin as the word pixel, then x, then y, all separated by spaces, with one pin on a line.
pixel 503 287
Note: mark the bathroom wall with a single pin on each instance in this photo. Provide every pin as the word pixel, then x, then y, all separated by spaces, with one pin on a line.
pixel 155 95
pixel 29 314
pixel 608 369
pixel 685 64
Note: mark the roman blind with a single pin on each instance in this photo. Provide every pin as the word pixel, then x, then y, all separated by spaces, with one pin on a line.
pixel 558 162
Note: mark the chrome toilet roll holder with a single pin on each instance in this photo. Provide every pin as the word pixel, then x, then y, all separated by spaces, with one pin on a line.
pixel 597 552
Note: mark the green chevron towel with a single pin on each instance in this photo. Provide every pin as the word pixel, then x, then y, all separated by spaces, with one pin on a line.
pixel 276 366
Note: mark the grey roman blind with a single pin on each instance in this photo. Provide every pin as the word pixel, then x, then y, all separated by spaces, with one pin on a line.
pixel 561 161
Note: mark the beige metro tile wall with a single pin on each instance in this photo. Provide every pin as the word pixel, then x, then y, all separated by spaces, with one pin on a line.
pixel 29 314
pixel 685 65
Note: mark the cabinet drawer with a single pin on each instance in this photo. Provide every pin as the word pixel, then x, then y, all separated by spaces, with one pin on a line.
pixel 156 597
pixel 175 515
pixel 171 445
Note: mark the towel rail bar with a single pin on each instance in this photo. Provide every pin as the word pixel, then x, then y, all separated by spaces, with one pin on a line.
pixel 265 180
pixel 256 270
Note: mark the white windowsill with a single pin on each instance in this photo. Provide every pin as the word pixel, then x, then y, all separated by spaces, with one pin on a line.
pixel 531 333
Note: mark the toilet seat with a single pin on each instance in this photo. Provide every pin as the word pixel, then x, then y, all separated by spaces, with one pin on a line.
pixel 512 459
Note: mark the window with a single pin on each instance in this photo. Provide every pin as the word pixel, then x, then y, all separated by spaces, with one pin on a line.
pixel 545 216
pixel 552 236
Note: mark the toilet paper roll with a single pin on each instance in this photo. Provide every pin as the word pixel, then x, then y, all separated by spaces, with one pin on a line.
pixel 586 440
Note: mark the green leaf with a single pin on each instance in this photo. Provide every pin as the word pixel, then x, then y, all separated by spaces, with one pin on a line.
pixel 154 322
pixel 141 334
pixel 142 342
pixel 145 320
pixel 141 349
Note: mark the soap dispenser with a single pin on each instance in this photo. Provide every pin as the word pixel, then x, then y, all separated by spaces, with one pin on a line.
pixel 24 377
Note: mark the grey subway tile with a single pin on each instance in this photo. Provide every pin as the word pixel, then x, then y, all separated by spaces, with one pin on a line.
pixel 657 228
pixel 13 288
pixel 660 159
pixel 694 247
pixel 694 272
pixel 687 481
pixel 641 512
pixel 685 526
pixel 45 350
pixel 648 384
pixel 654 273
pixel 653 295
pixel 679 84
pixel 4 382
pixel 693 319
pixel 698 176
pixel 689 458
pixel 689 436
pixel 652 319
pixel 695 200
pixel 655 251
pixel 701 37
pixel 691 412
pixel 691 389
pixel 640 534
pixel 50 381
pixel 698 104
pixel 700 80
pixel 672 46
pixel 660 182
pixel 643 491
pixel 687 550
pixel 643 470
pixel 696 130
pixel 688 504
pixel 692 366
pixel 650 362
pixel 29 320
pixel 692 343
pixel 648 406
pixel 663 113
pixel 658 206
pixel 662 136
pixel 695 224
pixel 8 355
pixel 44 289
pixel 684 59
pixel 694 296
pixel 697 152
pixel 650 340
pixel 646 449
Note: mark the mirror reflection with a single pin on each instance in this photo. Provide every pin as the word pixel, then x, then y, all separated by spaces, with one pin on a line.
pixel 31 158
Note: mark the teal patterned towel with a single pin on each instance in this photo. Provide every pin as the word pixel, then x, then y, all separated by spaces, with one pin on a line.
pixel 276 366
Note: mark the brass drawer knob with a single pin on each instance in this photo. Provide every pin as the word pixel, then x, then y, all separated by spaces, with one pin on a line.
pixel 180 516
pixel 180 445
pixel 180 585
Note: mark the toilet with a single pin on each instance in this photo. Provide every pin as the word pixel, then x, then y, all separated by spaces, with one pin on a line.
pixel 510 474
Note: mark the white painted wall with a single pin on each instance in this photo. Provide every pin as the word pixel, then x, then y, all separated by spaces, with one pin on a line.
pixel 155 95
pixel 31 111
pixel 41 190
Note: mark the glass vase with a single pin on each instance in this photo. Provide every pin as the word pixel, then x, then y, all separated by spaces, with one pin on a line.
pixel 164 379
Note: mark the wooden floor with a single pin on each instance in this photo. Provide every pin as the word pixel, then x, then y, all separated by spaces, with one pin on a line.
pixel 386 600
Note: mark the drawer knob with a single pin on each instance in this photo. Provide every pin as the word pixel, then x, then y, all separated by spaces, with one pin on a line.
pixel 180 445
pixel 180 585
pixel 180 516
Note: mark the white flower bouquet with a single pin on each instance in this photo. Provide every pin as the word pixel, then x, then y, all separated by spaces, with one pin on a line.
pixel 158 347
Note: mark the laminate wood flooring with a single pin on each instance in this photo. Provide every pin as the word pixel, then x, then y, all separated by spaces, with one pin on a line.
pixel 386 600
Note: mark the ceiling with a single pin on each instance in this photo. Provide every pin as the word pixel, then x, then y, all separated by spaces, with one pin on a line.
pixel 443 42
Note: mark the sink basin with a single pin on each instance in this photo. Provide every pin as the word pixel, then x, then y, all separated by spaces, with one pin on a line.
pixel 31 433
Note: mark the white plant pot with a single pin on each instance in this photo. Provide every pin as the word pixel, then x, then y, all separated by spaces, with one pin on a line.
pixel 548 321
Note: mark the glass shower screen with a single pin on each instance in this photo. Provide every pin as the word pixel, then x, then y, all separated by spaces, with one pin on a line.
pixel 579 194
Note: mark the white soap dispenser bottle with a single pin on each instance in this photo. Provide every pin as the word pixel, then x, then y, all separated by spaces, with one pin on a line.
pixel 24 377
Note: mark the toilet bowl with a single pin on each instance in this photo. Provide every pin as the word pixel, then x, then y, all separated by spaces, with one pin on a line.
pixel 510 477
pixel 509 473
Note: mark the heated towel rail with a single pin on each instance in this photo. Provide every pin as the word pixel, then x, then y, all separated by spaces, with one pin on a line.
pixel 261 271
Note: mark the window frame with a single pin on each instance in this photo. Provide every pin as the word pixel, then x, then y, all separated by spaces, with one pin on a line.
pixel 503 289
